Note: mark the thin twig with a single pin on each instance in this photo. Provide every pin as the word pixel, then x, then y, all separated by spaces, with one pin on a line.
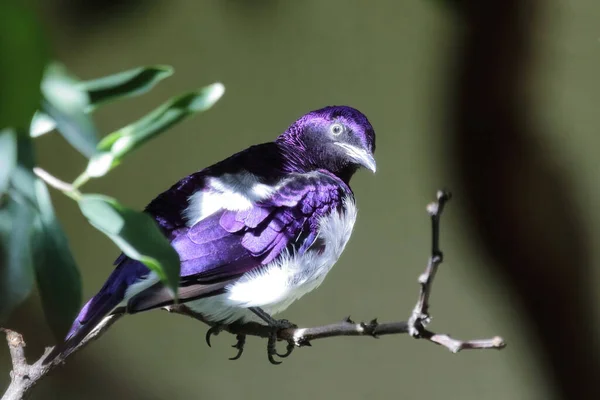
pixel 81 180
pixel 420 315
pixel 56 183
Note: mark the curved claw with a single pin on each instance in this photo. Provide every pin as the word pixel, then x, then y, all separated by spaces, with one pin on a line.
pixel 271 350
pixel 213 330
pixel 288 350
pixel 241 341
pixel 273 361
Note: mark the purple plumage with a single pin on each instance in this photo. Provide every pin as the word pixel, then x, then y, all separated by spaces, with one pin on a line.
pixel 258 229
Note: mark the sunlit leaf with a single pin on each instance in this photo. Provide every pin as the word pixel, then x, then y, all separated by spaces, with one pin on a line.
pixel 22 61
pixel 65 103
pixel 41 124
pixel 116 145
pixel 128 83
pixel 136 234
pixel 133 82
pixel 8 157
pixel 16 275
pixel 57 276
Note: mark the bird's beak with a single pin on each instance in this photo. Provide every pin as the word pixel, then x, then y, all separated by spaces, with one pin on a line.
pixel 360 156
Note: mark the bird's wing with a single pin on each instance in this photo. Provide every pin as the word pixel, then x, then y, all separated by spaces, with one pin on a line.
pixel 224 245
pixel 168 210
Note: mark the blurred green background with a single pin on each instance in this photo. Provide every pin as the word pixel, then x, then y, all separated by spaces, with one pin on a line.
pixel 278 60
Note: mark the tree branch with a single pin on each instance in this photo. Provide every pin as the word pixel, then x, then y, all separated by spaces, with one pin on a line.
pixel 420 315
pixel 303 336
pixel 24 376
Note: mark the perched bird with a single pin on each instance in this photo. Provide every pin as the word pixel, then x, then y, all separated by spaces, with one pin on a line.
pixel 254 232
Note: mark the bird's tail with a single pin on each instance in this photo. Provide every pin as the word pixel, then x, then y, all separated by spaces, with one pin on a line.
pixel 85 323
pixel 94 313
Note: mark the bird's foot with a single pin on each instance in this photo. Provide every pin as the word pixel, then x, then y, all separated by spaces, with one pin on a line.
pixel 272 350
pixel 213 330
pixel 278 325
pixel 281 324
pixel 241 341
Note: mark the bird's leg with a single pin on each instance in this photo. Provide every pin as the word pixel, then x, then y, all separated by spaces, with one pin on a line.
pixel 272 322
pixel 277 325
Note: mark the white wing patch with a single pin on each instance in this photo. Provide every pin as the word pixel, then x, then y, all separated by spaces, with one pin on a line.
pixel 235 192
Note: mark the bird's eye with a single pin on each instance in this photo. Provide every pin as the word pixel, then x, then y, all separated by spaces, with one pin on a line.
pixel 336 129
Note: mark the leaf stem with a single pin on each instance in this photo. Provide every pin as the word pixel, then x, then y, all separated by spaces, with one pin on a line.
pixel 81 180
pixel 56 183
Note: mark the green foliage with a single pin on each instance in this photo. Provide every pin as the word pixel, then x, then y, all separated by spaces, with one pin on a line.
pixel 124 84
pixel 8 157
pixel 65 102
pixel 116 145
pixel 16 271
pixel 43 247
pixel 16 223
pixel 56 272
pixel 33 245
pixel 22 61
pixel 96 92
pixel 136 234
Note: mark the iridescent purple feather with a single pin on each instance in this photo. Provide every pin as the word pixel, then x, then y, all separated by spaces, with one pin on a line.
pixel 226 244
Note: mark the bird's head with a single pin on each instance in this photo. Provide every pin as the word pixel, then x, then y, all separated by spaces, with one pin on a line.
pixel 339 139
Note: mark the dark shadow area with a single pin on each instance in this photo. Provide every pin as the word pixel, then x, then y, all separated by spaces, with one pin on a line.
pixel 521 206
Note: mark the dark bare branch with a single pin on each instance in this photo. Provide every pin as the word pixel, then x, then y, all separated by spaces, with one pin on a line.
pixel 302 336
pixel 420 315
pixel 24 376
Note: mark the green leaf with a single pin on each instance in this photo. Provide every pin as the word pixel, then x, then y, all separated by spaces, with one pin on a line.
pixel 41 124
pixel 57 276
pixel 136 234
pixel 23 178
pixel 46 245
pixel 128 83
pixel 16 222
pixel 133 82
pixel 113 148
pixel 8 157
pixel 16 276
pixel 21 64
pixel 65 103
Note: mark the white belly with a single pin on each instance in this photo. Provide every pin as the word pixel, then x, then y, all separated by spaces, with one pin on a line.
pixel 277 285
